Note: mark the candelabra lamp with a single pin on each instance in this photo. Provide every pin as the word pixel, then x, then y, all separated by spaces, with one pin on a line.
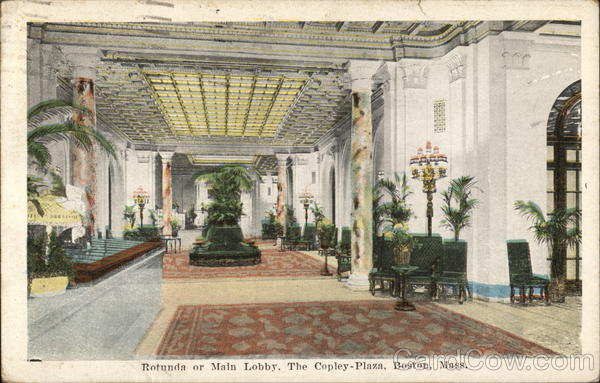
pixel 306 199
pixel 141 197
pixel 429 167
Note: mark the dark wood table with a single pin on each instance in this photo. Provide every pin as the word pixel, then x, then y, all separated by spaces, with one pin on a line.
pixel 171 243
pixel 326 252
pixel 401 271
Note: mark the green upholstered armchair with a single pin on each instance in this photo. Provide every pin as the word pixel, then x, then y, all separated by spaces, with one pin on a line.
pixel 307 241
pixel 521 276
pixel 342 254
pixel 383 260
pixel 452 269
pixel 425 257
pixel 343 246
pixel 290 242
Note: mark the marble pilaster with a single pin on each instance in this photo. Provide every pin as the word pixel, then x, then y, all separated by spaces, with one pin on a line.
pixel 361 74
pixel 84 160
pixel 167 192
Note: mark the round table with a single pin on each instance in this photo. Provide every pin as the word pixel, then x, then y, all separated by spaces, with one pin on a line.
pixel 401 271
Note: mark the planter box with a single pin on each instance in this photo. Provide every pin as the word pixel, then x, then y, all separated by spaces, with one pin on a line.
pixel 47 287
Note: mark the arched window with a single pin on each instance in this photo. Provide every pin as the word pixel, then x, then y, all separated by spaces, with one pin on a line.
pixel 564 167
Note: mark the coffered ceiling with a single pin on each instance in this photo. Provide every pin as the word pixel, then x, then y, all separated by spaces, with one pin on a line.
pixel 235 88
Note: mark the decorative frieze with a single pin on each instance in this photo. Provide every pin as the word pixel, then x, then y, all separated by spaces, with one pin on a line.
pixel 515 54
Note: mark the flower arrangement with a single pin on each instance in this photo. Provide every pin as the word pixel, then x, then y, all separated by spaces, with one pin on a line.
pixel 402 242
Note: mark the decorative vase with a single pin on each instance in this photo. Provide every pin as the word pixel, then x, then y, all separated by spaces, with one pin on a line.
pixel 402 256
pixel 47 287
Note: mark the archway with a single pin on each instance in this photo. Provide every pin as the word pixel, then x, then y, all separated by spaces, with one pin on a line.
pixel 564 169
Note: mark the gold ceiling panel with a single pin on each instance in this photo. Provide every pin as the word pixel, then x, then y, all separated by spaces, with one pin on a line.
pixel 203 159
pixel 231 105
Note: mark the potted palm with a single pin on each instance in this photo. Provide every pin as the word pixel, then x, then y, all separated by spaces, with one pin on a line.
pixel 458 204
pixel 129 217
pixel 559 231
pixel 224 239
pixel 326 232
pixel 395 210
pixel 457 207
pixel 317 213
pixel 391 211
pixel 175 226
pixel 49 268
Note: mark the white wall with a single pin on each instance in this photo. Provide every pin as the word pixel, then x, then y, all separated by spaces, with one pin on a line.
pixel 498 94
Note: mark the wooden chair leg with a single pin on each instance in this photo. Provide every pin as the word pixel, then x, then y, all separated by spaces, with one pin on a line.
pixel 546 297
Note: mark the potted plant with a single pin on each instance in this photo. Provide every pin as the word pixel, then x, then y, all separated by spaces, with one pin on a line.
pixel 559 231
pixel 175 226
pixel 49 268
pixel 325 232
pixel 317 213
pixel 129 216
pixel 401 242
pixel 395 210
pixel 225 242
pixel 191 217
pixel 290 217
pixel 458 204
pixel 268 225
pixel 153 216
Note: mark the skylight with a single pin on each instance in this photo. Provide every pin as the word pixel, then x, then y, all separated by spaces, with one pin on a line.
pixel 207 104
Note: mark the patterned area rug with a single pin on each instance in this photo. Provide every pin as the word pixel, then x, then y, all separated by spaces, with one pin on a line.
pixel 358 328
pixel 274 264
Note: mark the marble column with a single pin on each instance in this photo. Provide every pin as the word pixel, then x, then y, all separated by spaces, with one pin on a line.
pixel 361 74
pixel 83 161
pixel 167 192
pixel 281 189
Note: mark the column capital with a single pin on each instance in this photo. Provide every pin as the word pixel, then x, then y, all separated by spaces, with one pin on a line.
pixel 361 73
pixel 415 74
pixel 166 156
pixel 456 66
pixel 143 156
pixel 83 63
pixel 282 158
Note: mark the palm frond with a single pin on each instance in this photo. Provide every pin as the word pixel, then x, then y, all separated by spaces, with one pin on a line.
pixel 45 131
pixel 530 210
pixel 52 104
pixel 38 206
pixel 58 186
pixel 40 153
pixel 102 141
pixel 81 139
